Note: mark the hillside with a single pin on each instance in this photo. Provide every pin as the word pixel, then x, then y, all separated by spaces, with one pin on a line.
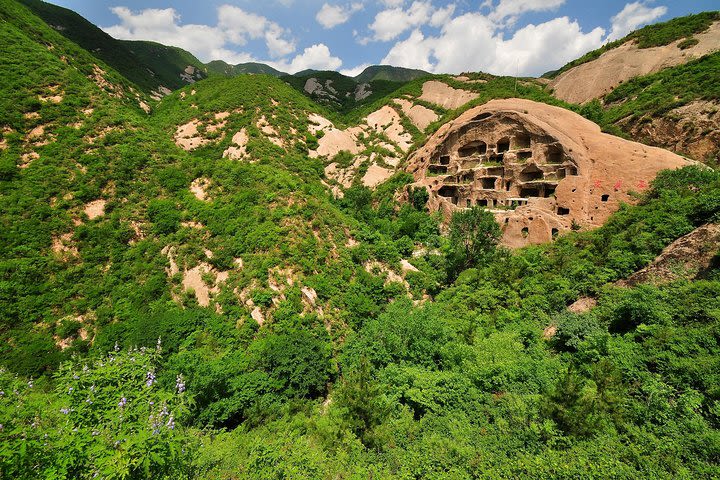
pixel 648 50
pixel 390 73
pixel 222 68
pixel 261 277
pixel 147 64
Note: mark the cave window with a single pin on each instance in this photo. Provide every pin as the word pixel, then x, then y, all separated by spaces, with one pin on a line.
pixel 571 171
pixel 525 232
pixel 563 211
pixel 447 191
pixel 529 192
pixel 482 116
pixel 445 160
pixel 522 141
pixel 554 154
pixel 605 197
pixel 508 185
pixel 482 202
pixel 488 183
pixel 523 156
pixel 555 232
pixel 503 145
pixel 473 148
pixel 468 203
pixel 549 191
pixel 531 173
pixel 560 173
pixel 437 169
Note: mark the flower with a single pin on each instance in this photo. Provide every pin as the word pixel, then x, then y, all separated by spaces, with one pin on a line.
pixel 180 384
pixel 149 379
pixel 170 423
pixel 117 347
pixel 70 389
pixel 122 402
pixel 65 410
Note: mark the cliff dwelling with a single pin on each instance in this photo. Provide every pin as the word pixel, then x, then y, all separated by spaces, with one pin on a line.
pixel 540 169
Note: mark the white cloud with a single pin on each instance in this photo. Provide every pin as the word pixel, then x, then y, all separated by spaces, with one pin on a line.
pixel 515 8
pixel 330 16
pixel 392 3
pixel 633 16
pixel 532 50
pixel 355 71
pixel 235 26
pixel 317 57
pixel 390 23
pixel 442 15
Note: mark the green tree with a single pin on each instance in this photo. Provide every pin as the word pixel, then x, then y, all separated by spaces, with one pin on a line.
pixel 473 239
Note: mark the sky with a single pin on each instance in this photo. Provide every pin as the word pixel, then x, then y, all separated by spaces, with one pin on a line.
pixel 502 37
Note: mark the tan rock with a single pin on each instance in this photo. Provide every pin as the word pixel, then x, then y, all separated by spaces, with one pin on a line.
pixel 446 96
pixel 541 169
pixel 599 77
pixel 95 209
pixel 420 116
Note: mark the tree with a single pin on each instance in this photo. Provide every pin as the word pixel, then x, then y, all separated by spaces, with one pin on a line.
pixel 473 238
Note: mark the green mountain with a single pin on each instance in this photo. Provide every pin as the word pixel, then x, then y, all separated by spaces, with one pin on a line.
pixel 655 35
pixel 222 68
pixel 206 286
pixel 149 65
pixel 390 73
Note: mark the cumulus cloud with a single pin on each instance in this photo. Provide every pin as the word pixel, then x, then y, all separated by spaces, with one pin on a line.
pixel 514 8
pixel 235 26
pixel 530 51
pixel 633 16
pixel 317 57
pixel 390 23
pixel 355 71
pixel 330 16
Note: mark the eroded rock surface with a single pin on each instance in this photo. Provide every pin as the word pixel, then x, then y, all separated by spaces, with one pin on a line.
pixel 445 96
pixel 599 77
pixel 540 169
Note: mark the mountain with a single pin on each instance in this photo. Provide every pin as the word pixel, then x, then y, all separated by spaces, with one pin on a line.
pixel 461 277
pixel 657 85
pixel 642 52
pixel 222 68
pixel 147 64
pixel 390 73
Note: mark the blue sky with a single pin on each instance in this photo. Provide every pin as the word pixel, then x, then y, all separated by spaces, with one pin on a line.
pixel 527 37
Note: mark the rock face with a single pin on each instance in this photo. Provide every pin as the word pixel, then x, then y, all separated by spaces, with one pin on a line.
pixel 687 257
pixel 540 169
pixel 599 77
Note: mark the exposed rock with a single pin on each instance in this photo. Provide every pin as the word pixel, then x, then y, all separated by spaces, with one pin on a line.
pixel 199 187
pixel 95 209
pixel 407 266
pixel 318 123
pixel 688 257
pixel 582 305
pixel 445 96
pixel 420 116
pixel 187 136
pixel 335 141
pixel 386 120
pixel 270 131
pixel 692 130
pixel 599 77
pixel 362 92
pixel 238 149
pixel 375 175
pixel 541 169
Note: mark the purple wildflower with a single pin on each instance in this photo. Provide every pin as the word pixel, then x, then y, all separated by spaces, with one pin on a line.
pixel 180 384
pixel 65 410
pixel 170 423
pixel 149 379
pixel 123 402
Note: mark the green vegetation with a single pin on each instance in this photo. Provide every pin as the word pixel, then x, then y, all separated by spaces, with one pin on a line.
pixel 390 73
pixel 320 354
pixel 655 35
pixel 130 59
